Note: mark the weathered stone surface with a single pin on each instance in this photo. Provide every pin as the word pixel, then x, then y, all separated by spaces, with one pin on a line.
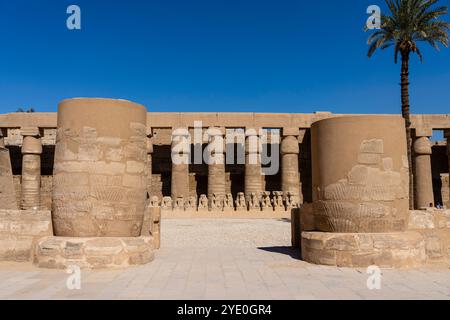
pixel 20 230
pixel 421 219
pixel 387 250
pixel 99 185
pixel 93 253
pixel 152 224
pixel 360 183
pixel 7 191
pixel 15 248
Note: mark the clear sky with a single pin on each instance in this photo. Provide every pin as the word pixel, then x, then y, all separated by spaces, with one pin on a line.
pixel 209 55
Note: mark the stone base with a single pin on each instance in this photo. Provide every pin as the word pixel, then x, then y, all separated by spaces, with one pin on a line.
pixel 93 253
pixel 386 250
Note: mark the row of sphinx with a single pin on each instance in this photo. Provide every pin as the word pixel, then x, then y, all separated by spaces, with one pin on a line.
pixel 265 201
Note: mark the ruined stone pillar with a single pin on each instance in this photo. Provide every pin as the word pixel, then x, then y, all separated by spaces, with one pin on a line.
pixel 360 174
pixel 216 164
pixel 423 180
pixel 99 185
pixel 253 173
pixel 149 162
pixel 181 150
pixel 290 174
pixel 31 169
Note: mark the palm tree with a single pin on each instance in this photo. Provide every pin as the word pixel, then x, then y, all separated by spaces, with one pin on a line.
pixel 410 22
pixel 30 110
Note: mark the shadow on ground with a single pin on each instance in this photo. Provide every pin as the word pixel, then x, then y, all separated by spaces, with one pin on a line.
pixel 284 220
pixel 290 251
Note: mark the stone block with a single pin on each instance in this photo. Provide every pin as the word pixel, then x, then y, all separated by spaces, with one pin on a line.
pixel 343 243
pixel 135 167
pixel 421 219
pixel 434 247
pixel 369 158
pixel 93 253
pixel 20 230
pixel 372 146
pixel 386 250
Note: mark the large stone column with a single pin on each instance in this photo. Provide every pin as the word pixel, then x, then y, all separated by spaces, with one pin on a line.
pixel 360 174
pixel 290 174
pixel 31 169
pixel 181 150
pixel 99 185
pixel 253 173
pixel 149 162
pixel 447 135
pixel 216 164
pixel 422 169
pixel 7 191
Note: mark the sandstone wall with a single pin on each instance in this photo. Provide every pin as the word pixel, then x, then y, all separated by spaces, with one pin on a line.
pixel 434 226
pixel 20 231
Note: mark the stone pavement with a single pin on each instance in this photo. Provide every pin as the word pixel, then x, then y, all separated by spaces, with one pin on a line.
pixel 224 259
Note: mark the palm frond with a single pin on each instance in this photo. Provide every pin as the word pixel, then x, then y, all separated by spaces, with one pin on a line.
pixel 410 22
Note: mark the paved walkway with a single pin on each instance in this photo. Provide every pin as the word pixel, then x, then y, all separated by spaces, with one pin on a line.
pixel 224 259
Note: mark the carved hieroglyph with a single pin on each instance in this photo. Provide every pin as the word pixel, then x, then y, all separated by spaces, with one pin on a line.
pixel 99 180
pixel 360 174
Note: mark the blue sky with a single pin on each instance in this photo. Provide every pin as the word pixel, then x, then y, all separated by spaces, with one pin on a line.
pixel 209 55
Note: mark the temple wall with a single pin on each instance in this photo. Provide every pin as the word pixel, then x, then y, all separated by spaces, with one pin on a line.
pixel 19 232
pixel 161 125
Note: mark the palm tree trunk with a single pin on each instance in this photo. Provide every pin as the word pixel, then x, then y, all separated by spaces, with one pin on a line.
pixel 406 115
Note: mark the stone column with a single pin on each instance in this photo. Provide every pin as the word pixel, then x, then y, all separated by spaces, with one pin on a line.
pixel 216 165
pixel 149 162
pixel 423 180
pixel 2 140
pixel 290 172
pixel 253 173
pixel 8 198
pixel 447 135
pixel 31 168
pixel 181 150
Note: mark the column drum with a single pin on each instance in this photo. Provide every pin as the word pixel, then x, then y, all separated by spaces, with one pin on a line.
pixel 99 183
pixel 360 174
